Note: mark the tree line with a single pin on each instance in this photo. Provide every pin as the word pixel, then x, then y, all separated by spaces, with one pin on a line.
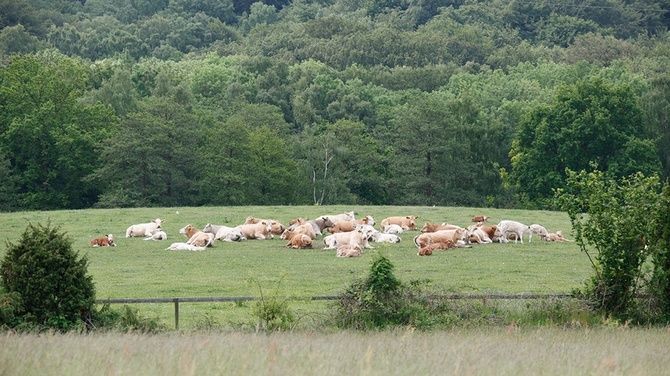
pixel 182 102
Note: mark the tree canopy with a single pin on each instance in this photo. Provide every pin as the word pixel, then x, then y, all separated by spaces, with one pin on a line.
pixel 180 102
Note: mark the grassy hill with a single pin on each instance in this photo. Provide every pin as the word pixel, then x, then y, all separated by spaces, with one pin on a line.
pixel 142 269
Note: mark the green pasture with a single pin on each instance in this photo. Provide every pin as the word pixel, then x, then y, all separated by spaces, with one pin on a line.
pixel 144 269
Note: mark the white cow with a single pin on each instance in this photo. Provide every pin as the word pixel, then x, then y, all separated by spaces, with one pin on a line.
pixel 158 235
pixel 334 218
pixel 184 247
pixel 381 237
pixel 225 233
pixel 540 230
pixel 144 229
pixel 393 229
pixel 507 227
pixel 357 237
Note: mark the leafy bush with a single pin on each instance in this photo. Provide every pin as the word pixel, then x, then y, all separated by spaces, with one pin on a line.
pixel 381 300
pixel 614 219
pixel 47 284
pixel 272 313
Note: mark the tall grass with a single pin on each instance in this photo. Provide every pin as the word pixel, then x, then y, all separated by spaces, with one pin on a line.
pixel 502 351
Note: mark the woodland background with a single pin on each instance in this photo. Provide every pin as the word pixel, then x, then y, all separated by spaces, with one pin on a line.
pixel 400 102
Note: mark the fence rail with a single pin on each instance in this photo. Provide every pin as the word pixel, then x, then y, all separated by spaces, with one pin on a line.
pixel 213 299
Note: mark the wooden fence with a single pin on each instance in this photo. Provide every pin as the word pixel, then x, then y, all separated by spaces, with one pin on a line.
pixel 234 299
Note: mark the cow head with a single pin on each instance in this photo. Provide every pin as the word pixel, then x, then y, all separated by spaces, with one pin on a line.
pixel 428 227
pixel 411 221
pixel 276 228
pixel 188 230
pixel 158 222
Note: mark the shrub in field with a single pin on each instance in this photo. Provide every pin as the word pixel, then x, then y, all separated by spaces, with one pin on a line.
pixel 381 300
pixel 46 281
pixel 272 314
pixel 612 221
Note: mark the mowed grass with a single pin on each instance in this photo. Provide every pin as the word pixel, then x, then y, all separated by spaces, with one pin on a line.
pixel 143 269
pixel 497 351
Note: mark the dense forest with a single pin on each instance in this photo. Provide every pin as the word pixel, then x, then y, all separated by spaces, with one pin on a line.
pixel 113 103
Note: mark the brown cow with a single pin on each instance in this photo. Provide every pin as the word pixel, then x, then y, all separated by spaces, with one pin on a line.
pixel 425 251
pixel 408 221
pixel 479 219
pixel 103 241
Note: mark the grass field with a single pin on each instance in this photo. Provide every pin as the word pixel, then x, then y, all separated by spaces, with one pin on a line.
pixel 501 351
pixel 139 269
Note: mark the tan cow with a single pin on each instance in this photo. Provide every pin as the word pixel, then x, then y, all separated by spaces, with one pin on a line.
pixel 300 241
pixel 196 237
pixel 348 250
pixel 442 236
pixel 342 226
pixel 408 221
pixel 432 227
pixel 489 230
pixel 260 230
pixel 477 235
pixel 304 229
pixel 367 220
pixel 358 237
pixel 555 237
pixel 276 228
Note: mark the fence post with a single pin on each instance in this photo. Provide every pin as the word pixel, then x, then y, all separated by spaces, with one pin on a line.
pixel 176 313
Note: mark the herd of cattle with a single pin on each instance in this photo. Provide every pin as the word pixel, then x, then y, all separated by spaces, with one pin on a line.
pixel 343 232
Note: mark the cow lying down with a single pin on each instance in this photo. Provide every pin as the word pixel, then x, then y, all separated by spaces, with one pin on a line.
pixel 359 237
pixel 103 241
pixel 224 233
pixel 184 247
pixel 349 251
pixel 158 235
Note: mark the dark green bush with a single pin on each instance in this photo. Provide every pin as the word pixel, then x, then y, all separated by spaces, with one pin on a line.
pixel 46 283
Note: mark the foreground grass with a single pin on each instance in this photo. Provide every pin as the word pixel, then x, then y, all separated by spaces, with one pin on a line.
pixel 483 352
pixel 142 269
